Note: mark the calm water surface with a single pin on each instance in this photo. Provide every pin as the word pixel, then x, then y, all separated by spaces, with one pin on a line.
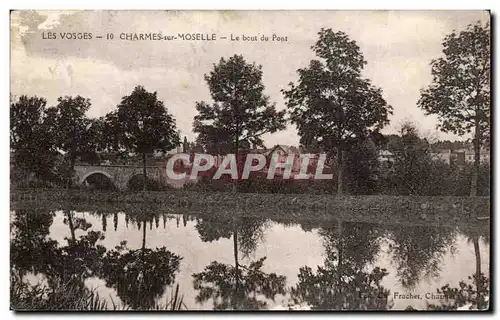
pixel 137 259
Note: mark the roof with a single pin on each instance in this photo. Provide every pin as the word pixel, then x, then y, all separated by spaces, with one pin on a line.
pixel 286 149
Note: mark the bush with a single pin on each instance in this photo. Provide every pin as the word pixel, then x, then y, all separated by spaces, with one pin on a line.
pixel 137 184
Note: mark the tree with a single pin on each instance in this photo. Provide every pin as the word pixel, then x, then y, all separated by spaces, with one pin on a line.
pixel 94 141
pixel 362 168
pixel 410 172
pixel 240 114
pixel 413 169
pixel 143 125
pixel 332 105
pixel 33 147
pixel 70 127
pixel 460 91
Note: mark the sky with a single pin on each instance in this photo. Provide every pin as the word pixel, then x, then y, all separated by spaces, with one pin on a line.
pixel 397 45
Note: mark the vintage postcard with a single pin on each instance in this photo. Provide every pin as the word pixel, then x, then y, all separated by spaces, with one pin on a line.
pixel 250 160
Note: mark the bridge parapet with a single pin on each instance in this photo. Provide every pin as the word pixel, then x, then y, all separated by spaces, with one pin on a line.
pixel 119 175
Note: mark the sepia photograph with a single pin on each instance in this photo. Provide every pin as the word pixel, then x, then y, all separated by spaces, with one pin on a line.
pixel 244 160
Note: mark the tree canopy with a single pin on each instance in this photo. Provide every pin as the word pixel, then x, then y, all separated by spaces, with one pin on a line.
pixel 333 105
pixel 33 147
pixel 460 90
pixel 241 112
pixel 143 124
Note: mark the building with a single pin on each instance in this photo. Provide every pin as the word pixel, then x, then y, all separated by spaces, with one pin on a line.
pixel 443 155
pixel 458 157
pixel 281 152
pixel 484 156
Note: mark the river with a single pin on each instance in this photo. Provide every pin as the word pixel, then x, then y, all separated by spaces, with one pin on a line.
pixel 245 262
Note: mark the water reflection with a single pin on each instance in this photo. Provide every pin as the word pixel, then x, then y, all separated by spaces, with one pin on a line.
pixel 343 283
pixel 236 286
pixel 237 263
pixel 30 250
pixel 472 293
pixel 140 276
pixel 418 250
pixel 64 267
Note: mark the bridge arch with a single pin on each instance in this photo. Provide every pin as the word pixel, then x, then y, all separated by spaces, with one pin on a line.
pixel 134 181
pixel 118 175
pixel 88 174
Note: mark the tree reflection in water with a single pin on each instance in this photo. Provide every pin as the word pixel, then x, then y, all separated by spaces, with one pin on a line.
pixel 344 282
pixel 472 293
pixel 347 280
pixel 65 268
pixel 140 276
pixel 30 249
pixel 418 251
pixel 238 287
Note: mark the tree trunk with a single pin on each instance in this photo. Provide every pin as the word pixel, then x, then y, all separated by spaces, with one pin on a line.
pixel 235 182
pixel 479 286
pixel 144 235
pixel 340 171
pixel 477 151
pixel 144 172
pixel 72 161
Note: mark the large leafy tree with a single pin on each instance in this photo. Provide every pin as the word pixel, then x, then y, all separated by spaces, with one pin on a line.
pixel 332 105
pixel 362 168
pixel 142 124
pixel 241 112
pixel 95 141
pixel 33 148
pixel 71 129
pixel 460 91
pixel 411 169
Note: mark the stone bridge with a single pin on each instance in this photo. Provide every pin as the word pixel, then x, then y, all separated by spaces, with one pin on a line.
pixel 120 175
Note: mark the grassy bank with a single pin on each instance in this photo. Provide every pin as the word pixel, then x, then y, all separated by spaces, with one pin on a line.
pixel 413 209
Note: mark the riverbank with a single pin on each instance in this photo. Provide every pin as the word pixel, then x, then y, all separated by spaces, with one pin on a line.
pixel 398 209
